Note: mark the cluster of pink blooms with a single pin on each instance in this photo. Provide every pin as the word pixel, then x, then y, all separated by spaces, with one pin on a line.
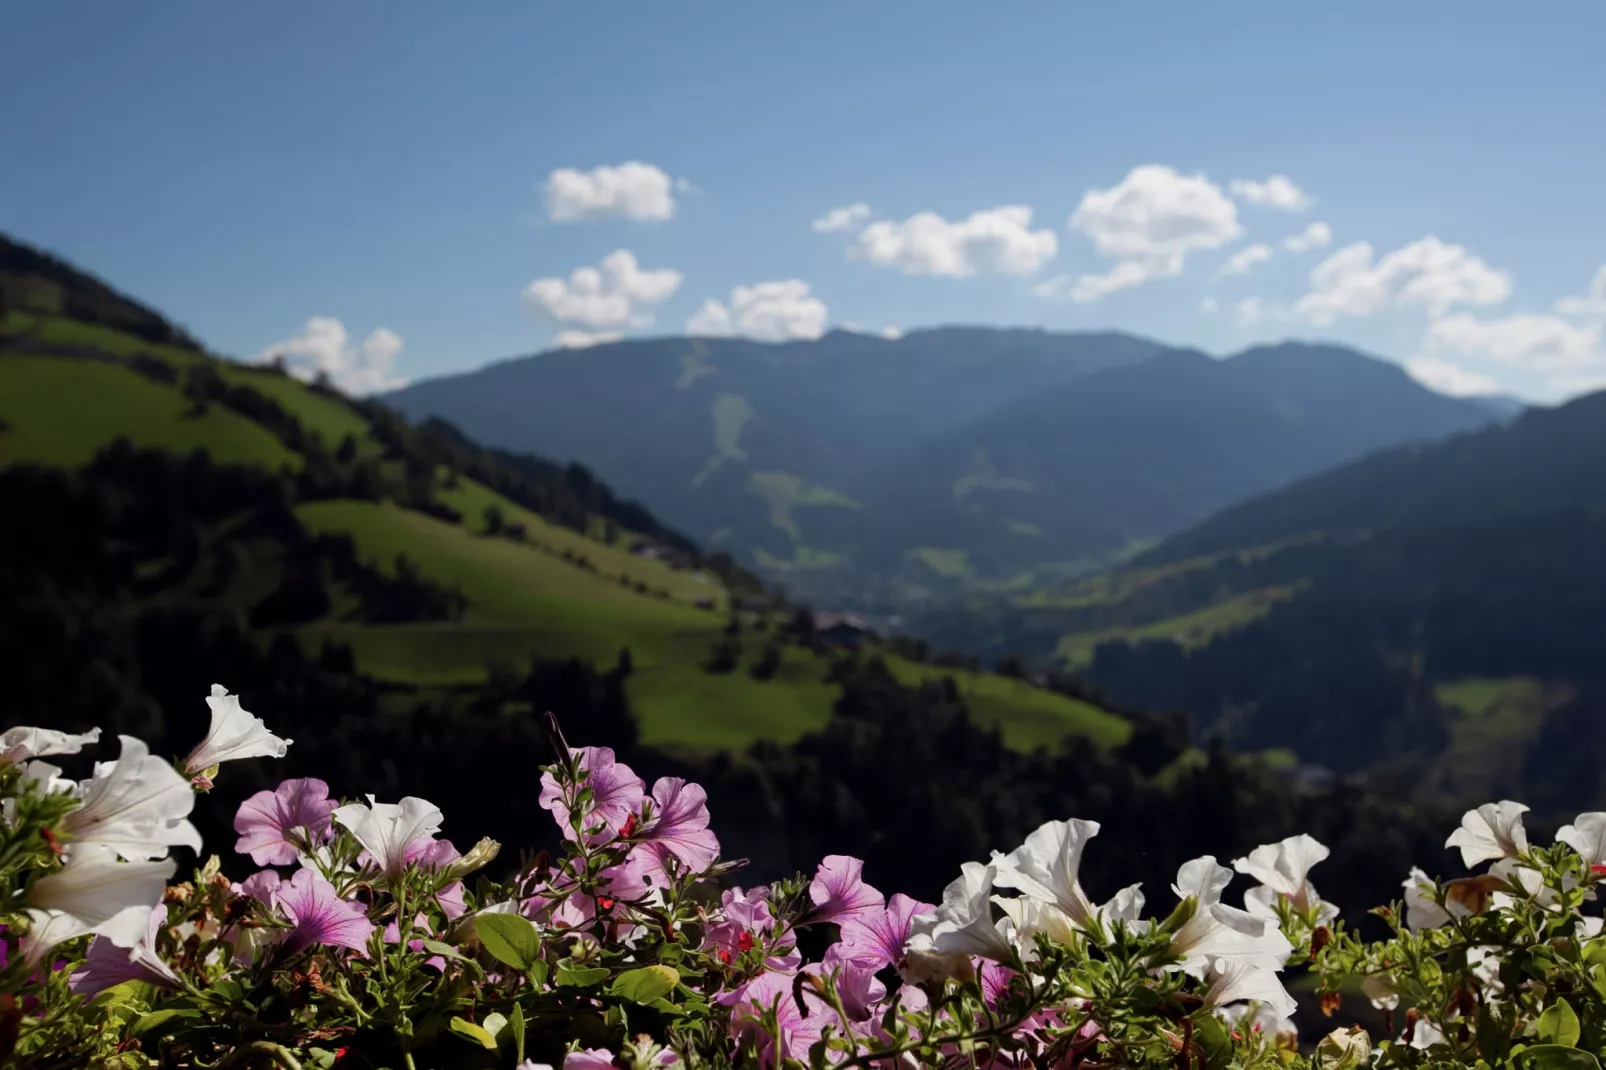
pixel 674 834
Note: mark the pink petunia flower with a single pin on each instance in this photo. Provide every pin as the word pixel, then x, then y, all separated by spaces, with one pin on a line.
pixel 275 826
pixel 856 985
pixel 679 824
pixel 106 964
pixel 589 1059
pixel 839 891
pixel 319 916
pixel 616 795
pixel 768 991
pixel 876 938
pixel 436 854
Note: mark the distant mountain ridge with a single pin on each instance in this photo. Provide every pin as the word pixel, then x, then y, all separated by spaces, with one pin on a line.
pixel 873 472
pixel 1436 610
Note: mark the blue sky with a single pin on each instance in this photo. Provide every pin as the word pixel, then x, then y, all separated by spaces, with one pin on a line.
pixel 247 168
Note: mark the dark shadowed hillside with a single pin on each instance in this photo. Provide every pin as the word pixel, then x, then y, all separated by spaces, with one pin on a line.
pixel 1440 609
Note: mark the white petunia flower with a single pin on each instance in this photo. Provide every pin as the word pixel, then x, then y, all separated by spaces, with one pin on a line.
pixel 1493 830
pixel 234 734
pixel 1028 917
pixel 1381 989
pixel 964 922
pixel 1239 982
pixel 1283 870
pixel 40 772
pixel 1425 1035
pixel 20 744
pixel 1124 906
pixel 1484 964
pixel 393 834
pixel 1587 836
pixel 1217 931
pixel 1045 868
pixel 137 805
pixel 1422 911
pixel 94 893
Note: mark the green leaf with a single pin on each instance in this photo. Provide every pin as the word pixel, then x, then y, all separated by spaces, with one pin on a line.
pixel 1554 1057
pixel 537 972
pixel 515 1028
pixel 1559 1025
pixel 509 938
pixel 129 992
pixel 646 984
pixel 570 976
pixel 156 1023
pixel 493 1023
pixel 662 1004
pixel 1210 1033
pixel 472 1033
pixel 445 951
pixel 233 991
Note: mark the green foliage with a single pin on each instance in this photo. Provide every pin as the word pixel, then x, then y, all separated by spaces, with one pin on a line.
pixel 510 938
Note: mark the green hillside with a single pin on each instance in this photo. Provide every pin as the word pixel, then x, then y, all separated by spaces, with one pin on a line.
pixel 60 411
pixel 563 581
pixel 522 599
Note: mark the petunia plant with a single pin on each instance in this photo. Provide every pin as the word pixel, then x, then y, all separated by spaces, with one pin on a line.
pixel 350 933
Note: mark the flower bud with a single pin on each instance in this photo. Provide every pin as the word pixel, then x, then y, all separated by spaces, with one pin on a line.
pixel 478 857
pixel 1344 1049
pixel 1179 917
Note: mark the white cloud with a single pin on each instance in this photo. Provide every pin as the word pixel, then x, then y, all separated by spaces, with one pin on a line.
pixel 633 190
pixel 1246 258
pixel 1251 310
pixel 614 294
pixel 578 339
pixel 1435 373
pixel 713 320
pixel 847 217
pixel 1208 305
pixel 1578 385
pixel 1315 236
pixel 1278 191
pixel 324 346
pixel 1592 304
pixel 998 239
pixel 1428 273
pixel 1540 343
pixel 892 334
pixel 1149 222
pixel 777 311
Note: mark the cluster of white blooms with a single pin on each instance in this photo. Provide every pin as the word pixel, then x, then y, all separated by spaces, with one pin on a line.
pixel 125 820
pixel 1237 952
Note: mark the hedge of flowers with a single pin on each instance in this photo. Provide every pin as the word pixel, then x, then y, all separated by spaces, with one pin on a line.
pixel 358 937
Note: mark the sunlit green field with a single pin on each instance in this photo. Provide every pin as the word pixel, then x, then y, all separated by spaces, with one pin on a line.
pixel 1190 629
pixel 60 412
pixel 524 601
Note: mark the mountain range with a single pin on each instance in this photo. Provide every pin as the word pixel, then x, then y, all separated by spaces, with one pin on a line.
pixel 878 473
